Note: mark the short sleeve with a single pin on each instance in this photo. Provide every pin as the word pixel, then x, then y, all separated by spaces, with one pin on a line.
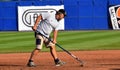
pixel 57 28
pixel 61 25
pixel 45 15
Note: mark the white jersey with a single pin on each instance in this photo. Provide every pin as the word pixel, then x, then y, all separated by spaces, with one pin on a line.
pixel 48 24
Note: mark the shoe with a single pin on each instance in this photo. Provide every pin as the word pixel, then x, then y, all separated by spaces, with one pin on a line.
pixel 31 64
pixel 59 63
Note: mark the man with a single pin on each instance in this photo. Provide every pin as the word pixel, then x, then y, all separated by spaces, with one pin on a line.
pixel 45 24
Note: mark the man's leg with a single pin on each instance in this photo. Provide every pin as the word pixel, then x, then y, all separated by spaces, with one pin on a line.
pixel 34 53
pixel 57 61
pixel 39 42
pixel 53 52
pixel 31 60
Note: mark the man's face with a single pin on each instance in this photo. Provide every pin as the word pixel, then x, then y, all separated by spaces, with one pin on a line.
pixel 59 16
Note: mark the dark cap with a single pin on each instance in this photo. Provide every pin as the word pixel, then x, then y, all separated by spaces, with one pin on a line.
pixel 62 11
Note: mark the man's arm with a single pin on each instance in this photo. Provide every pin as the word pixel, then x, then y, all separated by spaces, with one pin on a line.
pixel 37 22
pixel 55 32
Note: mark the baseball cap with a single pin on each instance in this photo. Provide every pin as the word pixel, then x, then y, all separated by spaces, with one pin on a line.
pixel 62 11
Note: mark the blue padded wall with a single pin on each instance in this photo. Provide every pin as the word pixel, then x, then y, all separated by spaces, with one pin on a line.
pixel 100 14
pixel 114 2
pixel 1 16
pixel 86 23
pixel 10 25
pixel 71 23
pixel 8 15
pixel 81 14
pixel 72 20
pixel 85 14
pixel 100 23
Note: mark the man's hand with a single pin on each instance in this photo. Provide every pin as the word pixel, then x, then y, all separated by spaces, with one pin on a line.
pixel 54 41
pixel 34 28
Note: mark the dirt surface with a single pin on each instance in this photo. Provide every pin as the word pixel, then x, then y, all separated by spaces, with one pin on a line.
pixel 93 60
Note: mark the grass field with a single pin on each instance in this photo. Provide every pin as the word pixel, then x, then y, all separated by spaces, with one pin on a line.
pixel 71 40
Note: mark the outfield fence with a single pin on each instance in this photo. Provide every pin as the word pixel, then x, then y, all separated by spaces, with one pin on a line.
pixel 81 14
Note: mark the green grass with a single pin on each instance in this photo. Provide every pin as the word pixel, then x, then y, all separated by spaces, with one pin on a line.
pixel 71 40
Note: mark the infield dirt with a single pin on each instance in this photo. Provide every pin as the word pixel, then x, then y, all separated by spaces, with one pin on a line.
pixel 94 60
